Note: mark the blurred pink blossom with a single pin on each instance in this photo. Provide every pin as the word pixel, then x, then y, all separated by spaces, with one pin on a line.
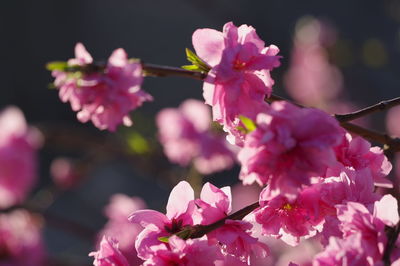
pixel 186 136
pixel 64 173
pixel 392 121
pixel 109 254
pixel 311 79
pixel 105 98
pixel 20 240
pixel 119 227
pixel 18 157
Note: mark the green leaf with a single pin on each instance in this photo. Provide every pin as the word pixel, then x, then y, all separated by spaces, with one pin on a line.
pixel 138 143
pixel 164 239
pixel 57 65
pixel 51 86
pixel 248 123
pixel 196 61
pixel 192 68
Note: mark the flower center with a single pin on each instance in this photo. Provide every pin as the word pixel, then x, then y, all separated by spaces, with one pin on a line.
pixel 174 227
pixel 238 65
pixel 287 207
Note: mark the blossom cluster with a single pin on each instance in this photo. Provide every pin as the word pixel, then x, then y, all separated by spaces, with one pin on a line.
pixel 105 96
pixel 318 181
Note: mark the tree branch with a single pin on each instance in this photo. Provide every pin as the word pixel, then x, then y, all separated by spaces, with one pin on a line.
pixel 381 106
pixel 198 231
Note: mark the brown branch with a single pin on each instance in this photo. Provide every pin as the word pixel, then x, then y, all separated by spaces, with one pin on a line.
pixel 164 71
pixel 381 106
pixel 393 234
pixel 198 231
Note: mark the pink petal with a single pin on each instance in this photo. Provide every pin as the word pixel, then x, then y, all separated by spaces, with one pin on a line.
pixel 386 210
pixel 179 199
pixel 118 58
pixel 148 217
pixel 208 44
pixel 82 54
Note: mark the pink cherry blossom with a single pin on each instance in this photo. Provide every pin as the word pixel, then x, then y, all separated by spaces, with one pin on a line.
pixel 355 218
pixel 192 252
pixel 181 212
pixel 20 240
pixel 290 220
pixel 119 227
pixel 186 137
pixel 358 154
pixel 239 77
pixel 347 251
pixel 106 97
pixel 289 147
pixel 109 254
pixel 235 236
pixel 18 157
pixel 349 185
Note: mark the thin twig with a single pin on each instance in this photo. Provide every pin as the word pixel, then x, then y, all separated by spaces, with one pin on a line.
pixel 164 71
pixel 198 231
pixel 381 106
pixel 391 243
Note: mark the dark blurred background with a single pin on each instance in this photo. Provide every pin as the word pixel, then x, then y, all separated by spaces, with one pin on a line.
pixel 36 32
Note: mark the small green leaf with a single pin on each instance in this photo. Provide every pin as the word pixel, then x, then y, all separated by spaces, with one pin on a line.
pixel 164 239
pixel 248 123
pixel 191 67
pixel 196 61
pixel 138 143
pixel 51 86
pixel 57 65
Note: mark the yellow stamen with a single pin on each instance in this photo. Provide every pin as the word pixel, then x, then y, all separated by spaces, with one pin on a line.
pixel 287 207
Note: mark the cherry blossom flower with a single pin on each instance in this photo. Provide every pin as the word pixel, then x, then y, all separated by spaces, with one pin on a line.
pixel 186 137
pixel 239 79
pixel 289 146
pixel 235 236
pixel 355 218
pixel 343 252
pixel 118 226
pixel 105 97
pixel 290 220
pixel 358 154
pixel 18 158
pixel 192 252
pixel 109 254
pixel 20 240
pixel 181 212
pixel 349 186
